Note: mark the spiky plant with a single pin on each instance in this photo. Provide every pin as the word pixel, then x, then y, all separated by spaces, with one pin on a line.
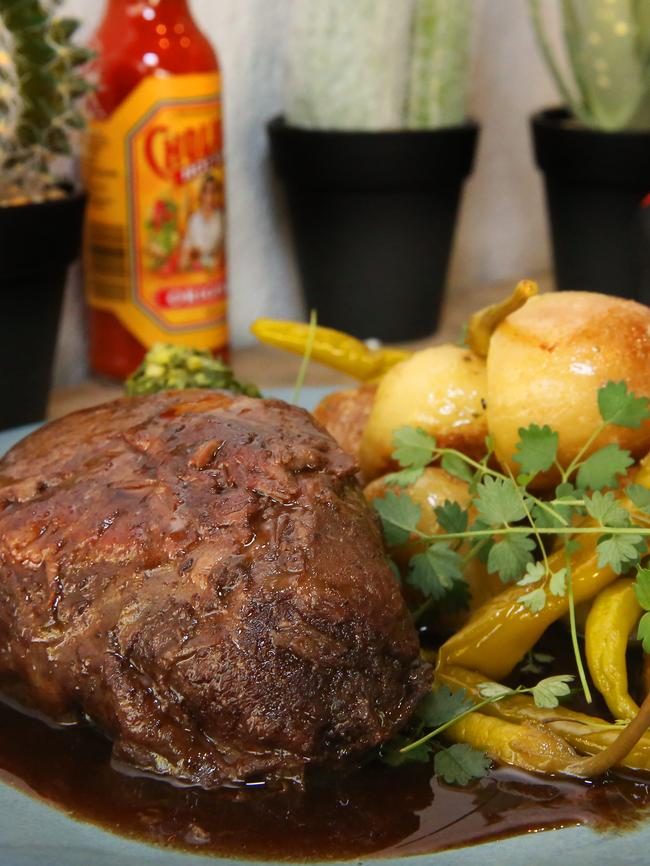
pixel 608 50
pixel 379 64
pixel 440 63
pixel 40 86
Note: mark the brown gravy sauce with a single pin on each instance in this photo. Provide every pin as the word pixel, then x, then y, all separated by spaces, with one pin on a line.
pixel 375 810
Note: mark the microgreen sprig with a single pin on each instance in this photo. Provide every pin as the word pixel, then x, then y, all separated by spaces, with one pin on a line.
pixel 443 708
pixel 513 526
pixel 306 358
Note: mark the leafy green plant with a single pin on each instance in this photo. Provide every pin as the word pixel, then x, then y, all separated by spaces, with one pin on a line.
pixel 40 86
pixel 608 50
pixel 378 64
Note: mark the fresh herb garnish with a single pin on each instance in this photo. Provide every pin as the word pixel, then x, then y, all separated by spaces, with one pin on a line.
pixel 536 449
pixel 174 368
pixel 642 589
pixel 535 661
pixel 514 526
pixel 461 763
pixel 306 358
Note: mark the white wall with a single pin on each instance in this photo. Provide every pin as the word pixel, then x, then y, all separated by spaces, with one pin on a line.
pixel 502 233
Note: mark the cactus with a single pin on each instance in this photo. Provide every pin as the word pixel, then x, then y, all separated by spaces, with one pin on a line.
pixel 608 48
pixel 378 64
pixel 40 87
pixel 438 92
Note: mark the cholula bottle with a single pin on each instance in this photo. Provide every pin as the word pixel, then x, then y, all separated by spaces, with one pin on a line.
pixel 154 250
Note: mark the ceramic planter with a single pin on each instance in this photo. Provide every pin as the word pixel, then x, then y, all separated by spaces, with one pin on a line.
pixel 38 243
pixel 595 183
pixel 373 217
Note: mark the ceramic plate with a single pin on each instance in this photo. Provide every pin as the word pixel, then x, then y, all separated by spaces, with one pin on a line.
pixel 34 834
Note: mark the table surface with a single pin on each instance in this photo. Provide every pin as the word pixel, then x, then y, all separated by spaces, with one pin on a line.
pixel 270 368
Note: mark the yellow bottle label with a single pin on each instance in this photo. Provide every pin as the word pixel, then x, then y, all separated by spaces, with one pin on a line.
pixel 154 247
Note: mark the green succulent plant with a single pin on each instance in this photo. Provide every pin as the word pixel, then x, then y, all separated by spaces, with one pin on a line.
pixel 379 64
pixel 608 51
pixel 440 63
pixel 40 86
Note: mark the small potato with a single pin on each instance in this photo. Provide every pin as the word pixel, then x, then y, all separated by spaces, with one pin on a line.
pixel 434 488
pixel 344 414
pixel 547 361
pixel 442 390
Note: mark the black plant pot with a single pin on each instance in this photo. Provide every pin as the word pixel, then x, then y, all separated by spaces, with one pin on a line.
pixel 595 183
pixel 373 217
pixel 38 243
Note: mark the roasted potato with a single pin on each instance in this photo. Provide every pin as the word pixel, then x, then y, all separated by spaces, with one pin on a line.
pixel 442 390
pixel 434 488
pixel 547 361
pixel 344 414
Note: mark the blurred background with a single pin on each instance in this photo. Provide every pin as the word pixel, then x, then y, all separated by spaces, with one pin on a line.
pixel 502 233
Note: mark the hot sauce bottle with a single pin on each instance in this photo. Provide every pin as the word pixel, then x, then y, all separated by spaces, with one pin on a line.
pixel 154 249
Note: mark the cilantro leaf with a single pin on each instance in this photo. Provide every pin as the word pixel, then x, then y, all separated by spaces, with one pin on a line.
pixel 547 691
pixel 618 551
pixel 487 544
pixel 639 495
pixel 619 406
pixel 563 492
pixel 442 706
pixel 602 467
pixel 566 490
pixel 510 556
pixel 545 520
pixel 571 546
pixel 460 764
pixel 455 465
pixel 537 447
pixel 451 517
pixel 557 583
pixel 604 508
pixel 399 517
pixel 434 571
pixel 535 600
pixel 498 501
pixel 535 572
pixel 494 691
pixel 643 634
pixel 405 477
pixel 447 562
pixel 642 587
pixel 535 661
pixel 414 447
pixel 392 755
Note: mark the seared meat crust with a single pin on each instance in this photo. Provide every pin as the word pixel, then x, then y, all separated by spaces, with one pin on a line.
pixel 199 575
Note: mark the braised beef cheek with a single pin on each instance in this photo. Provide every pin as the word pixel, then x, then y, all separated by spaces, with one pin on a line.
pixel 198 575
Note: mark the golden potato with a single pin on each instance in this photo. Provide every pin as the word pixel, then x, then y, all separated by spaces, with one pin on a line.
pixel 434 488
pixel 547 361
pixel 344 414
pixel 442 390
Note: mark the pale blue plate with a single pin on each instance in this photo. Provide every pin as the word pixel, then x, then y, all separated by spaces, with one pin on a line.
pixel 34 834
